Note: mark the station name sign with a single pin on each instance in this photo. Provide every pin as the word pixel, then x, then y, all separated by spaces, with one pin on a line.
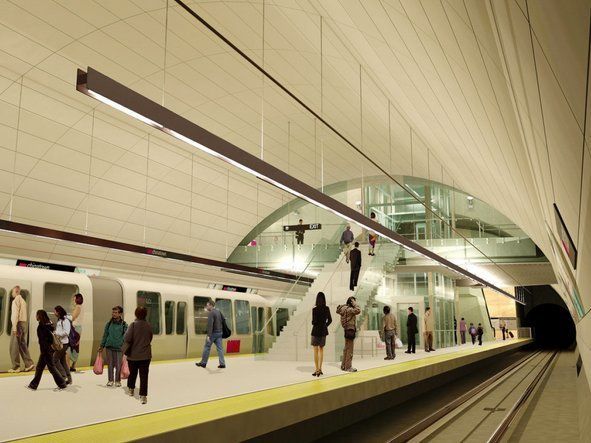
pixel 308 227
pixel 42 265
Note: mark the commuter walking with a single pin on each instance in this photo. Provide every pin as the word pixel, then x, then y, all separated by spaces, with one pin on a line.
pixel 18 338
pixel 463 330
pixel 214 335
pixel 77 320
pixel 355 257
pixel 372 236
pixel 299 235
pixel 428 330
pixel 390 328
pixel 348 312
pixel 321 319
pixel 411 330
pixel 479 332
pixel 472 332
pixel 137 346
pixel 503 326
pixel 112 341
pixel 63 325
pixel 346 241
pixel 46 341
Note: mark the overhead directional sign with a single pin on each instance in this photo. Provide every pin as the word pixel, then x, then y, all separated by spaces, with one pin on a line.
pixel 309 227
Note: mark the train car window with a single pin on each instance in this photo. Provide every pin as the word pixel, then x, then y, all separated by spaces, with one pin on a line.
pixel 282 317
pixel 200 315
pixel 242 316
pixel 225 307
pixel 181 317
pixel 25 294
pixel 2 308
pixel 168 317
pixel 61 294
pixel 151 301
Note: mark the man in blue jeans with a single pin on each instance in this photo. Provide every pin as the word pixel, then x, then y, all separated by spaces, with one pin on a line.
pixel 214 335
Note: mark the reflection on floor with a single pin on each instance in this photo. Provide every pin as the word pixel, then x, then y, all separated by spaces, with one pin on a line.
pixel 89 401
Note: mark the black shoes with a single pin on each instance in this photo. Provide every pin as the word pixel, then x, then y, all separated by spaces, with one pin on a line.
pixel 407 352
pixel 221 366
pixel 201 365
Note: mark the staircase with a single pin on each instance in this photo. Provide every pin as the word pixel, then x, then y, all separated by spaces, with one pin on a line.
pixel 294 342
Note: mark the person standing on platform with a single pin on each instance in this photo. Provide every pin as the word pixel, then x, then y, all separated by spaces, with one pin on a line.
pixel 45 335
pixel 300 233
pixel 472 332
pixel 455 331
pixel 389 327
pixel 348 312
pixel 346 241
pixel 503 326
pixel 372 237
pixel 214 335
pixel 479 332
pixel 77 319
pixel 321 318
pixel 137 346
pixel 112 341
pixel 411 330
pixel 463 331
pixel 18 338
pixel 428 330
pixel 62 330
pixel 355 257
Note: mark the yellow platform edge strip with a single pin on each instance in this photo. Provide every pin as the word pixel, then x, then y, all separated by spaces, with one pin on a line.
pixel 156 423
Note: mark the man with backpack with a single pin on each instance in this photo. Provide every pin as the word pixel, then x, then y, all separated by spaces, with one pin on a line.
pixel 214 335
pixel 112 341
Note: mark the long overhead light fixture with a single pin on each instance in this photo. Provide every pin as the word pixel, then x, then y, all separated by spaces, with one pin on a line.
pixel 105 89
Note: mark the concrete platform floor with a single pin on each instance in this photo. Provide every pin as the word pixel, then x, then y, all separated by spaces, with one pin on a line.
pixel 171 385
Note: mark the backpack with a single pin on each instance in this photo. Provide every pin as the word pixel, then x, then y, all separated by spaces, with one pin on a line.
pixel 73 337
pixel 472 330
pixel 226 331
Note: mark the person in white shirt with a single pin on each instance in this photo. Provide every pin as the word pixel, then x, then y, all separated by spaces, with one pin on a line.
pixel 77 320
pixel 18 338
pixel 62 330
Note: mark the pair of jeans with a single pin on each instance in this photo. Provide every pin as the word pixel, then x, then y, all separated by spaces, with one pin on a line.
pixel 216 338
pixel 59 359
pixel 463 337
pixel 390 338
pixel 18 347
pixel 348 354
pixel 114 360
pixel 47 360
pixel 143 367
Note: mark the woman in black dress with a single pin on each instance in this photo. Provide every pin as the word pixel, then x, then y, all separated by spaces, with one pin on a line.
pixel 320 320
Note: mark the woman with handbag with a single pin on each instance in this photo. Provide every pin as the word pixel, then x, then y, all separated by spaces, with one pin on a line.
pixel 112 341
pixel 320 320
pixel 348 312
pixel 47 343
pixel 62 330
pixel 137 346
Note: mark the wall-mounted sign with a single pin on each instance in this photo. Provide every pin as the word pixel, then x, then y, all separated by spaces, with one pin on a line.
pixel 42 265
pixel 233 288
pixel 565 239
pixel 308 227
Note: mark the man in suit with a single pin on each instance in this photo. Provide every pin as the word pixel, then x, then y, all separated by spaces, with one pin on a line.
pixel 355 257
pixel 411 330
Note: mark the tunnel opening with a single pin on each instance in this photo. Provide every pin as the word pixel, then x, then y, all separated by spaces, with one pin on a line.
pixel 553 327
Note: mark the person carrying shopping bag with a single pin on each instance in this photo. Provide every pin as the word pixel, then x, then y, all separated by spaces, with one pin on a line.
pixel 112 342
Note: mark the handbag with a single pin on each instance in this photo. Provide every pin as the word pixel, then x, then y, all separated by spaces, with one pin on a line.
pixel 398 343
pixel 226 331
pixel 124 368
pixel 98 364
pixel 56 345
pixel 350 334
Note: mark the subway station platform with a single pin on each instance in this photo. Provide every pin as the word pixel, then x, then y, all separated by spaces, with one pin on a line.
pixel 249 399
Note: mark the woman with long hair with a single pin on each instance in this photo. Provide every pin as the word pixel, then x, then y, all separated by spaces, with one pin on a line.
pixel 77 319
pixel 348 312
pixel 62 329
pixel 320 320
pixel 45 335
pixel 137 346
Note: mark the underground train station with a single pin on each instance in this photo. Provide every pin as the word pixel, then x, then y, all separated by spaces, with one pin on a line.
pixel 295 221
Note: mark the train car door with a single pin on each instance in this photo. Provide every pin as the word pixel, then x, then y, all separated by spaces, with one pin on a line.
pixel 6 286
pixel 107 293
pixel 175 327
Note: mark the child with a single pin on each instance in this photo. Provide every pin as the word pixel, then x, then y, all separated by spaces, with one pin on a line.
pixel 472 332
pixel 479 332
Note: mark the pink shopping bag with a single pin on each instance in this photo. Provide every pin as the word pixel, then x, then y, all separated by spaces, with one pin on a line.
pixel 98 364
pixel 124 368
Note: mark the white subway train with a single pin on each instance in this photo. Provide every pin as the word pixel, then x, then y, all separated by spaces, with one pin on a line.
pixel 176 312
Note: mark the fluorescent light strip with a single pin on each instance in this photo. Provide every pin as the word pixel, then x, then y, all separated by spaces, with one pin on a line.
pixel 120 97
